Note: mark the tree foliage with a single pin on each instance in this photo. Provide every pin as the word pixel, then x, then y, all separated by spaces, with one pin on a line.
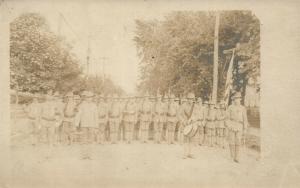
pixel 177 53
pixel 40 60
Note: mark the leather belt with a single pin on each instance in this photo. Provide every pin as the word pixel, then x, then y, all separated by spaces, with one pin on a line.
pixel 114 116
pixel 48 119
pixel 236 121
pixel 70 116
pixel 210 120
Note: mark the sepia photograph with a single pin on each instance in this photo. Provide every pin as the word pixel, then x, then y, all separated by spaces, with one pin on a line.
pixel 116 94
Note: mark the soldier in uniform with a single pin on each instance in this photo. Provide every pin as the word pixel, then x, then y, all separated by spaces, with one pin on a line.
pixel 165 107
pixel 199 116
pixel 68 125
pixel 114 119
pixel 187 113
pixel 145 118
pixel 102 119
pixel 138 115
pixel 181 120
pixel 121 131
pixel 158 115
pixel 205 108
pixel 59 115
pixel 129 118
pixel 88 117
pixel 237 124
pixel 211 123
pixel 221 115
pixel 77 99
pixel 48 115
pixel 172 119
pixel 151 127
pixel 33 112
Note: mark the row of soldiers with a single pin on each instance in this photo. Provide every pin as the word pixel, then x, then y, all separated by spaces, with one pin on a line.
pixel 96 118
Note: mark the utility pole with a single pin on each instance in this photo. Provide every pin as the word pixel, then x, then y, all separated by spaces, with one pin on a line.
pixel 59 24
pixel 103 67
pixel 88 57
pixel 216 59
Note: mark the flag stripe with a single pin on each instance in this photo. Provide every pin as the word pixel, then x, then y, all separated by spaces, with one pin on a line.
pixel 229 81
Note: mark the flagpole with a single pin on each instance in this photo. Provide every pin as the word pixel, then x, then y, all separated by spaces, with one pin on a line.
pixel 216 59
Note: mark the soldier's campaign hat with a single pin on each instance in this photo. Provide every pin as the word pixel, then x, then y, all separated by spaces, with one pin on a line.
pixel 115 96
pixel 199 100
pixel 177 99
pixel 205 102
pixel 50 92
pixel 76 97
pixel 237 95
pixel 222 103
pixel 101 96
pixel 109 96
pixel 211 103
pixel 165 97
pixel 56 94
pixel 36 96
pixel 146 95
pixel 183 99
pixel 87 94
pixel 50 97
pixel 152 97
pixel 190 96
pixel 69 94
pixel 172 96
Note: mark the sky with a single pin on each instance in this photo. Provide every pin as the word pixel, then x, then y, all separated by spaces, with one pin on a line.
pixel 109 28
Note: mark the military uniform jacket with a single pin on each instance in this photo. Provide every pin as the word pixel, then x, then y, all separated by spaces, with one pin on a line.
pixel 129 113
pixel 158 112
pixel 48 111
pixel 221 116
pixel 102 113
pixel 114 112
pixel 70 111
pixel 237 117
pixel 186 113
pixel 165 107
pixel 88 114
pixel 198 114
pixel 172 114
pixel 211 118
pixel 146 111
pixel 33 111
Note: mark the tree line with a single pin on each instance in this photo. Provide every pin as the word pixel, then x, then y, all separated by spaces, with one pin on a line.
pixel 176 53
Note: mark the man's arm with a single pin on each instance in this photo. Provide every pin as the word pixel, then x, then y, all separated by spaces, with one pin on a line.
pixel 245 119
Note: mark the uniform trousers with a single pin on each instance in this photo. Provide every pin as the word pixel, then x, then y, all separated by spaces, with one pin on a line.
pixel 158 128
pixel 34 129
pixel 113 129
pixel 144 130
pixel 129 128
pixel 171 126
pixel 101 132
pixel 48 131
pixel 89 134
pixel 68 130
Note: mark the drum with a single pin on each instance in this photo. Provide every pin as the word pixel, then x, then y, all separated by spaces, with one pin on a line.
pixel 190 130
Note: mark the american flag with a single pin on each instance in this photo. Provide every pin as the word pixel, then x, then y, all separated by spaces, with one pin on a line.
pixel 228 85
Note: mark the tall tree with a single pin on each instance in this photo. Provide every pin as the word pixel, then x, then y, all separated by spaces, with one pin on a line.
pixel 39 59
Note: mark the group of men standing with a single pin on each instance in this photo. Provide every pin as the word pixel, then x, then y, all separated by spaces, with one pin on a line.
pixel 96 119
